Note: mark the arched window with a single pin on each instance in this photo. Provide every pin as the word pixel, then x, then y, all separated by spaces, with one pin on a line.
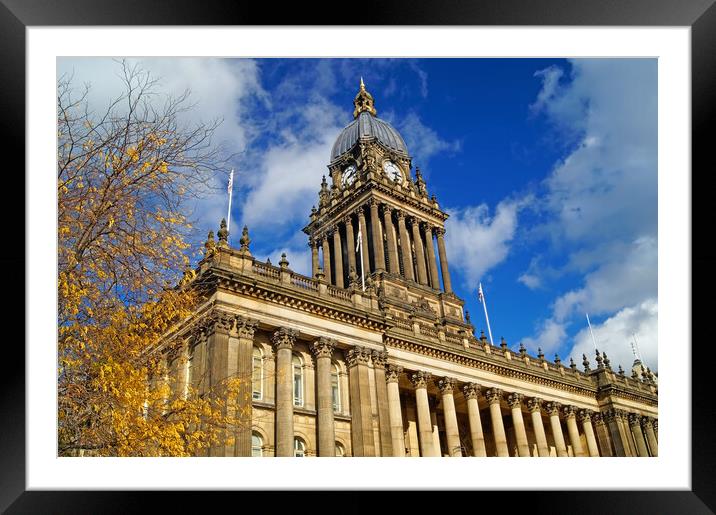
pixel 297 381
pixel 257 444
pixel 257 374
pixel 340 450
pixel 336 389
pixel 299 447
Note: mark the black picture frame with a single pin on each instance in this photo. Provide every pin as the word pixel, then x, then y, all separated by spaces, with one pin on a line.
pixel 700 15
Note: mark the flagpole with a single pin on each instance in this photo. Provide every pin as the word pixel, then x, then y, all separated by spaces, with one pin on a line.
pixel 594 341
pixel 230 188
pixel 481 297
pixel 359 248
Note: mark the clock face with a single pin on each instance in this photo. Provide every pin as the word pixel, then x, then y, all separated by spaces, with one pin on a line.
pixel 349 175
pixel 393 172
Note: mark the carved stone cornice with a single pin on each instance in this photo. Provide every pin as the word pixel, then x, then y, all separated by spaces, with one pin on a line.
pixel 584 415
pixel 446 384
pixel 569 411
pixel 246 327
pixel 493 395
pixel 392 373
pixel 358 356
pixel 420 379
pixel 284 338
pixel 323 347
pixel 379 358
pixel 552 408
pixel 514 400
pixel 471 390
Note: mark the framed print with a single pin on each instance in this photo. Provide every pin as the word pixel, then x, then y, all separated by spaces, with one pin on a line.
pixel 337 318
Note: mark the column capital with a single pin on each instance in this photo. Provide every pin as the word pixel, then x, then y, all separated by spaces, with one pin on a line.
pixel 534 404
pixel 360 211
pixel 471 390
pixel 347 219
pixel 613 414
pixel 217 320
pixel 514 400
pixel 439 231
pixel 446 384
pixel 634 420
pixel 323 347
pixel 400 214
pixel 584 415
pixel 647 422
pixel 358 356
pixel 312 242
pixel 373 203
pixel 493 395
pixel 597 418
pixel 569 411
pixel 284 338
pixel 392 373
pixel 420 379
pixel 246 327
pixel 379 358
pixel 552 408
pixel 385 208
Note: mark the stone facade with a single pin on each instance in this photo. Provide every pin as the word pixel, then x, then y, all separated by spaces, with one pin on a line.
pixel 373 354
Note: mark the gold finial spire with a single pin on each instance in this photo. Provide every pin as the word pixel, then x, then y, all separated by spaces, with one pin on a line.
pixel 363 101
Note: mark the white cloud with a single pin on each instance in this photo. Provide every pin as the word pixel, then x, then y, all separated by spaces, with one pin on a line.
pixel 477 241
pixel 601 199
pixel 531 281
pixel 551 336
pixel 422 141
pixel 614 336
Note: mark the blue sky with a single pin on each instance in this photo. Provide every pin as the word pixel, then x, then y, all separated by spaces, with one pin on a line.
pixel 548 168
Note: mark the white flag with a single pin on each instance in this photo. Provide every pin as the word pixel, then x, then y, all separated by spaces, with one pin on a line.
pixel 231 181
pixel 360 239
pixel 480 295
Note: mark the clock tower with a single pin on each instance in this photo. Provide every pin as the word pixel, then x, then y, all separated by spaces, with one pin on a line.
pixel 376 227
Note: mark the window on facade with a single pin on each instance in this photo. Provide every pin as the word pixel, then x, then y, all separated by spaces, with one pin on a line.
pixel 257 444
pixel 257 375
pixel 340 450
pixel 299 448
pixel 336 389
pixel 297 381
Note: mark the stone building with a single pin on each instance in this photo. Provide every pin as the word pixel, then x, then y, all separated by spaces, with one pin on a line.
pixel 373 355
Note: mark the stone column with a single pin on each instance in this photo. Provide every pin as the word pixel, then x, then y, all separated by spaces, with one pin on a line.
pixel 419 252
pixel 616 432
pixel 283 341
pixel 635 425
pixel 396 417
pixel 364 242
pixel 552 409
pixel 381 390
pixel 405 247
pixel 314 257
pixel 323 349
pixel 337 256
pixel 600 428
pixel 393 264
pixel 585 417
pixel 514 401
pixel 443 260
pixel 471 392
pixel 245 329
pixel 425 426
pixel 432 261
pixel 452 433
pixel 378 254
pixel 534 406
pixel 493 396
pixel 362 436
pixel 327 260
pixel 648 425
pixel 570 414
pixel 351 244
pixel 221 368
pixel 629 443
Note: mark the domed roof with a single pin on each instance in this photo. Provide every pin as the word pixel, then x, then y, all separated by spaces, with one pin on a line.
pixel 367 126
